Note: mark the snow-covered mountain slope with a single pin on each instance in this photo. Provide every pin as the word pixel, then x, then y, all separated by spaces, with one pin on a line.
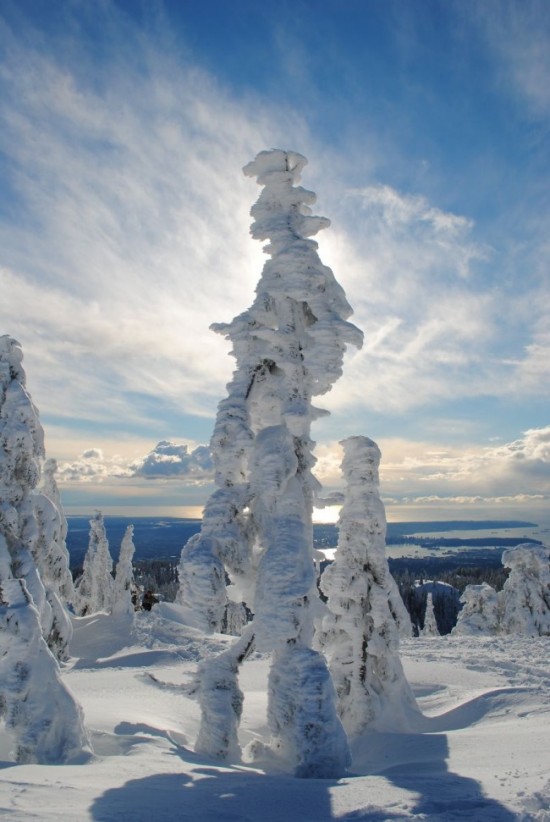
pixel 480 752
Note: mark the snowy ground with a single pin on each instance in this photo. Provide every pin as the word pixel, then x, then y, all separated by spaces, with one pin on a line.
pixel 482 752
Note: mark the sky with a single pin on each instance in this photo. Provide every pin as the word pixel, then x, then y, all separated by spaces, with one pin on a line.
pixel 124 233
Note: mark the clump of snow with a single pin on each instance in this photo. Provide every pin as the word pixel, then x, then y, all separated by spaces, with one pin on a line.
pixel 360 633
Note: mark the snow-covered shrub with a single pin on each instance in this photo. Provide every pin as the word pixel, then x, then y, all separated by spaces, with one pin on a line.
pixel 41 713
pixel 94 589
pixel 526 593
pixel 360 634
pixel 480 614
pixel 257 526
pixel 124 576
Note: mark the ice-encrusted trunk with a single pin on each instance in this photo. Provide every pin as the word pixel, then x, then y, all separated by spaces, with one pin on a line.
pixel 41 713
pixel 360 634
pixel 94 589
pixel 124 576
pixel 430 624
pixel 289 347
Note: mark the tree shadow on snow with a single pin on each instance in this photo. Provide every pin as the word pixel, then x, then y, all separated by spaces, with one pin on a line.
pixel 417 763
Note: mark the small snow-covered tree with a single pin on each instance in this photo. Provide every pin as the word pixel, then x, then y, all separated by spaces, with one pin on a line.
pixel 257 525
pixel 430 624
pixel 526 593
pixel 52 559
pixel 94 589
pixel 360 633
pixel 480 614
pixel 38 709
pixel 124 576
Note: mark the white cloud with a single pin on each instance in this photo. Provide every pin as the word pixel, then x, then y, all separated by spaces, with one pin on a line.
pixel 420 472
pixel 171 461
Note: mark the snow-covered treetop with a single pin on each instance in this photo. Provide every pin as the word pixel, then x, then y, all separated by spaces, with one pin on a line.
pixel 297 323
pixel 11 357
pixel 529 560
pixel 21 435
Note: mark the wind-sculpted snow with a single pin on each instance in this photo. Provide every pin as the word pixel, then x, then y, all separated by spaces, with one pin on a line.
pixel 480 614
pixel 479 752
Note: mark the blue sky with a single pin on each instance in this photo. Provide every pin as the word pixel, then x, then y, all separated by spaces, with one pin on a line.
pixel 124 233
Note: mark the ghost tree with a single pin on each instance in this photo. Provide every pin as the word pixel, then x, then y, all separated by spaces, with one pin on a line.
pixel 52 559
pixel 94 589
pixel 525 595
pixel 360 633
pixel 41 713
pixel 124 576
pixel 257 525
pixel 480 613
pixel 430 623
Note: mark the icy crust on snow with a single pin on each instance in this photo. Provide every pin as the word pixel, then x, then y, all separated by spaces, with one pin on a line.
pixel 360 634
pixel 94 589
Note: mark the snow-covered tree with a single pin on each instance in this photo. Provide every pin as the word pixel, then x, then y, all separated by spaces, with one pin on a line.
pixel 52 559
pixel 94 589
pixel 124 576
pixel 430 624
pixel 44 718
pixel 526 593
pixel 360 633
pixel 257 525
pixel 480 614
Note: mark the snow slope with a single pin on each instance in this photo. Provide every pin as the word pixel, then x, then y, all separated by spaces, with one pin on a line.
pixel 480 752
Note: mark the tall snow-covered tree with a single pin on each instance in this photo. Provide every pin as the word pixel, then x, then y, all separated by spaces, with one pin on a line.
pixel 43 716
pixel 526 593
pixel 480 613
pixel 289 347
pixel 430 624
pixel 124 576
pixel 52 558
pixel 360 634
pixel 94 589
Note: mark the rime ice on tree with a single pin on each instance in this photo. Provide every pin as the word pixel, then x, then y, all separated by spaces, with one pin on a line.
pixel 526 593
pixel 360 635
pixel 52 559
pixel 41 713
pixel 124 576
pixel 289 347
pixel 480 613
pixel 430 624
pixel 94 589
